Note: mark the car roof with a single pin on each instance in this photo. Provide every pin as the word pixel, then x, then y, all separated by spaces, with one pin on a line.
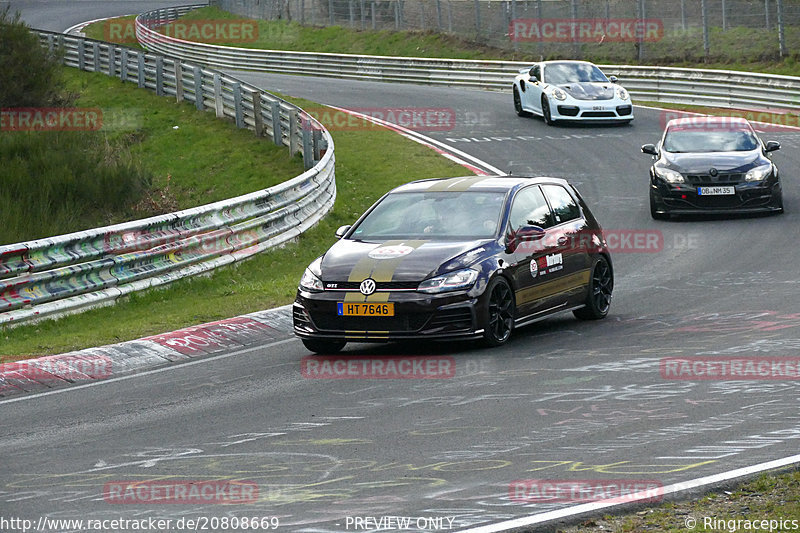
pixel 550 62
pixel 503 182
pixel 701 121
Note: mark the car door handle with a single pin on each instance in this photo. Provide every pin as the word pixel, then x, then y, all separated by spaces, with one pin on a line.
pixel 562 240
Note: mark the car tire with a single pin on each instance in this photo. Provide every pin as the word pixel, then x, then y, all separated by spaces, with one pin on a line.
pixel 598 297
pixel 546 114
pixel 498 312
pixel 518 104
pixel 654 210
pixel 324 346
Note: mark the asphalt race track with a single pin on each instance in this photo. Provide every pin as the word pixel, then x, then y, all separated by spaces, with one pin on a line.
pixel 563 400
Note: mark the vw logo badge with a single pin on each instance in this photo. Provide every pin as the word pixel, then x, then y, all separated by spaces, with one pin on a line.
pixel 713 172
pixel 367 286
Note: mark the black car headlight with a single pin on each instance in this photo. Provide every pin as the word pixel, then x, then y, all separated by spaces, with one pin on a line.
pixel 310 281
pixel 452 281
pixel 758 173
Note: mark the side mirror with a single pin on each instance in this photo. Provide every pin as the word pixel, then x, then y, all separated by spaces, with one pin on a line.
pixel 342 230
pixel 613 79
pixel 649 149
pixel 533 75
pixel 523 234
pixel 772 146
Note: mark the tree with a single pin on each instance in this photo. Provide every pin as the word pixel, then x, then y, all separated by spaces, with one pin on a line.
pixel 31 75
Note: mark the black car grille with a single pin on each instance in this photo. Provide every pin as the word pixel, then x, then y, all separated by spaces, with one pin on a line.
pixel 452 318
pixel 623 110
pixel 568 110
pixel 709 181
pixel 380 286
pixel 597 114
pixel 402 323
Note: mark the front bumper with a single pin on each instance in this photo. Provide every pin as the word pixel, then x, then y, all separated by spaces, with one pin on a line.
pixel 591 110
pixel 763 197
pixel 417 316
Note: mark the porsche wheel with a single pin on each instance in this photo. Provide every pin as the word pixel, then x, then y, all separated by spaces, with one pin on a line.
pixel 518 104
pixel 499 312
pixel 546 114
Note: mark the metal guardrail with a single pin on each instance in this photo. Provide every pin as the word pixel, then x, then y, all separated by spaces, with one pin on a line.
pixel 722 88
pixel 68 273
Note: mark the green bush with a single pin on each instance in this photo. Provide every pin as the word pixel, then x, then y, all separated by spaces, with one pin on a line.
pixel 30 74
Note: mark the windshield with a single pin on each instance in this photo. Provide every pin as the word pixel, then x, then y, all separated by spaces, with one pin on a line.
pixel 442 215
pixel 561 73
pixel 680 140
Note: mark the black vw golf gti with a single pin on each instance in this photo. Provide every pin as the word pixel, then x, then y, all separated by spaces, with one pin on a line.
pixel 470 257
pixel 705 164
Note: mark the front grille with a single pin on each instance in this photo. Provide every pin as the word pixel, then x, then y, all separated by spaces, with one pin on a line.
pixel 380 286
pixel 597 114
pixel 402 323
pixel 568 110
pixel 722 178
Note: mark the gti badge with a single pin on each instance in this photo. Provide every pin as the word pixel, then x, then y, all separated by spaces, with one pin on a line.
pixel 367 286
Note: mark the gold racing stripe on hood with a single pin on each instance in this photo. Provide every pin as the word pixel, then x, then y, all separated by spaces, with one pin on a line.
pixel 381 270
pixel 456 184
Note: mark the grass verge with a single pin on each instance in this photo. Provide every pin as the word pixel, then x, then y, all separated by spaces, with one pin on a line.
pixel 189 158
pixel 769 497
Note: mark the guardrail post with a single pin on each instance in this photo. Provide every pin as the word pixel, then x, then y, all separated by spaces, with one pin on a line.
pixel 352 13
pixel 277 134
pixel 50 44
pixel 316 137
pixel 123 65
pixel 330 11
pixel 95 57
pixel 293 132
pixel 363 8
pixel 372 7
pixel 140 70
pixel 308 149
pixel 258 118
pixel 81 55
pixel 238 110
pixel 219 105
pixel 160 75
pixel 397 14
pixel 477 18
pixel 112 60
pixel 199 100
pixel 178 81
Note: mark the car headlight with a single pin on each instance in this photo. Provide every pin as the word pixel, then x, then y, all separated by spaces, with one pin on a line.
pixel 622 93
pixel 310 281
pixel 758 173
pixel 668 175
pixel 559 94
pixel 458 280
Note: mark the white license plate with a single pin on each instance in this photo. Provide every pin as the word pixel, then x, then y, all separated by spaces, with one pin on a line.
pixel 598 108
pixel 715 191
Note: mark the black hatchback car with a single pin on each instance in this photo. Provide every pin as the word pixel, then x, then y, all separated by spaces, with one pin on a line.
pixel 470 257
pixel 712 164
